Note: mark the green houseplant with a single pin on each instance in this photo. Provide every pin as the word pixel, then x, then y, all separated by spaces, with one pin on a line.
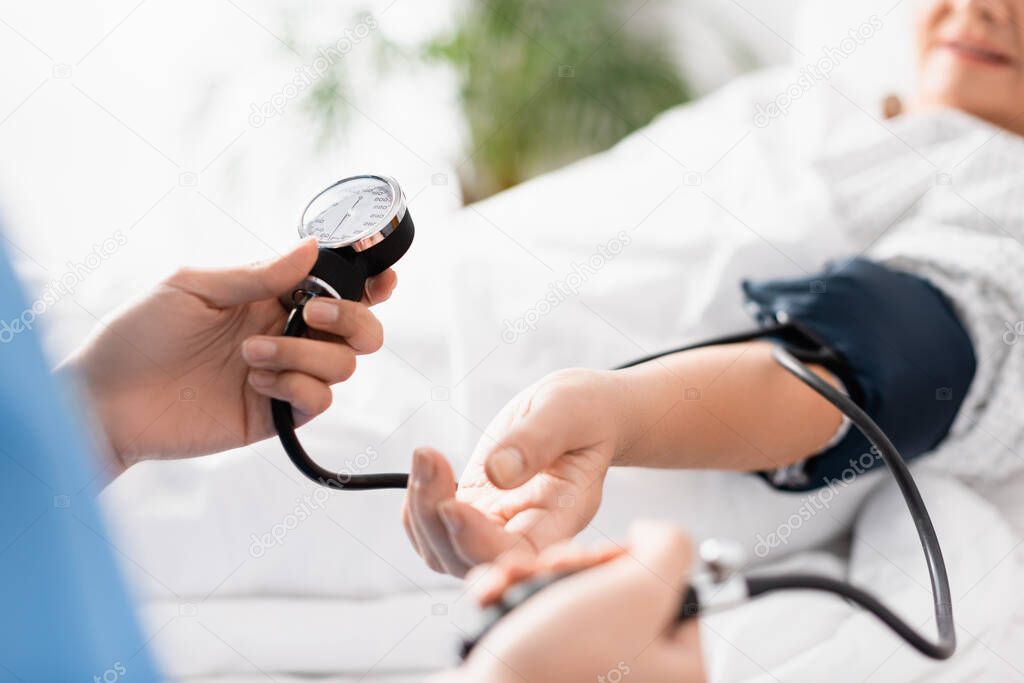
pixel 541 83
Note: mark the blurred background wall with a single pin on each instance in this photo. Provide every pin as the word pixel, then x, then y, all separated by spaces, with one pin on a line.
pixel 172 127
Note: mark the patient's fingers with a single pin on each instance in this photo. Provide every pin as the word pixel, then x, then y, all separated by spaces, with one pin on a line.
pixel 308 395
pixel 433 482
pixel 350 320
pixel 477 538
pixel 327 361
pixel 410 533
pixel 416 473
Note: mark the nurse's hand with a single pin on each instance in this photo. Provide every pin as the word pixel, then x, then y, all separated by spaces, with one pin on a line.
pixel 612 622
pixel 188 370
pixel 536 476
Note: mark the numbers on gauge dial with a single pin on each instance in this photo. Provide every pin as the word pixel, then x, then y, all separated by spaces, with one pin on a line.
pixel 355 209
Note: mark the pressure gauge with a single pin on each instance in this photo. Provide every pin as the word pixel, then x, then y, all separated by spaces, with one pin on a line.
pixel 357 212
pixel 362 226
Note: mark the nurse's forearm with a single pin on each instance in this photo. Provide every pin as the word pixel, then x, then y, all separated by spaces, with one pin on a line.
pixel 724 407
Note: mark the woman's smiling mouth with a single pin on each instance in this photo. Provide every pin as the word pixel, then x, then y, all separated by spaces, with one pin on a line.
pixel 976 52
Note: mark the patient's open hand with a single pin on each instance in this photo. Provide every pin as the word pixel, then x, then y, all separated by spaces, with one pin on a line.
pixel 535 477
pixel 190 368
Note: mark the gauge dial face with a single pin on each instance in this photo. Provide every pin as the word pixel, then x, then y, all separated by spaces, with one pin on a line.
pixel 351 210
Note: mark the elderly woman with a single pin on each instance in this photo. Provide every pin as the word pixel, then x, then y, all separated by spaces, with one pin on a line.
pixel 914 330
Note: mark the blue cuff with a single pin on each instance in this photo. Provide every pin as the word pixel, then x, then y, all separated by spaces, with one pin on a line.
pixel 894 341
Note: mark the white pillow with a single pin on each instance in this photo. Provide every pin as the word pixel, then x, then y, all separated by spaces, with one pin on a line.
pixel 716 40
pixel 878 62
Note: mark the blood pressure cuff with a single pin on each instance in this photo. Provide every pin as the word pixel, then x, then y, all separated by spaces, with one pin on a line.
pixel 892 339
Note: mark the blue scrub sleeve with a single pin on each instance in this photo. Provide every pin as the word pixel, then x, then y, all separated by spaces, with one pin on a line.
pixel 895 342
pixel 66 614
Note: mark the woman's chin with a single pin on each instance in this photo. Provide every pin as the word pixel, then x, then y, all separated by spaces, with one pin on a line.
pixel 990 98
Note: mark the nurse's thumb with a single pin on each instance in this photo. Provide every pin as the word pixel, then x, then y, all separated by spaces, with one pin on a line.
pixel 234 286
pixel 507 467
pixel 533 443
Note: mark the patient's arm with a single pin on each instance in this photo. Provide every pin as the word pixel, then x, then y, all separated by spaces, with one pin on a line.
pixel 537 474
pixel 723 407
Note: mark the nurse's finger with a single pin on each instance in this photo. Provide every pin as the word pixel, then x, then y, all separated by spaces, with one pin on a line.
pixel 488 582
pixel 308 395
pixel 570 557
pixel 435 484
pixel 329 362
pixel 350 320
pixel 558 415
pixel 379 287
pixel 562 558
